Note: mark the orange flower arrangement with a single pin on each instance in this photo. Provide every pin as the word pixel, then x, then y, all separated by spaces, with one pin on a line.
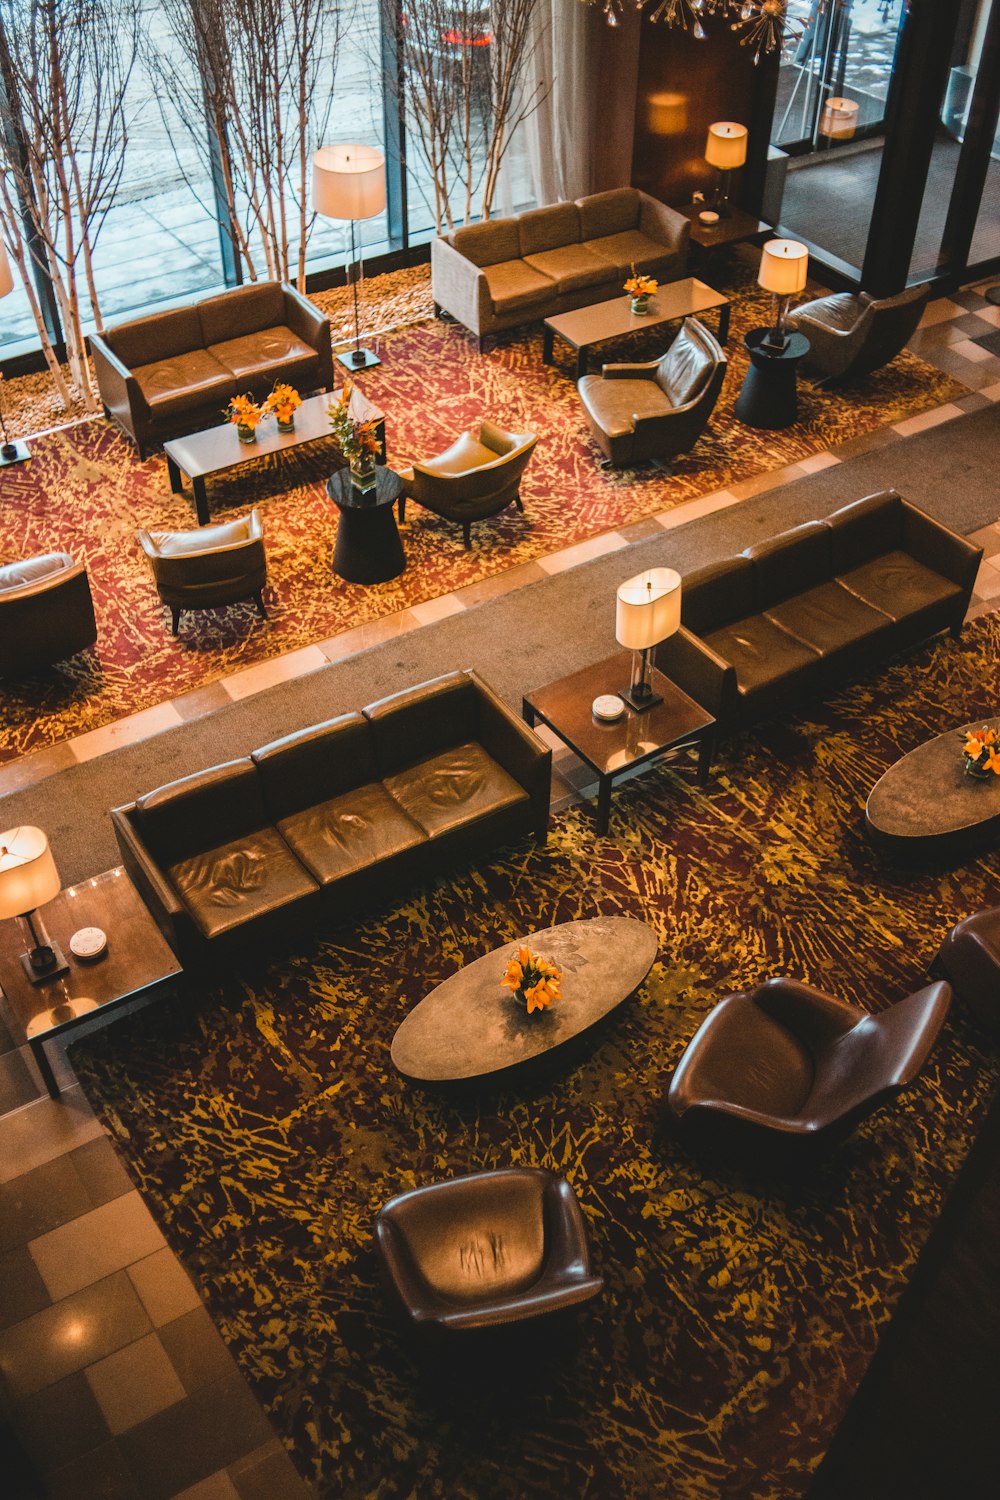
pixel 283 401
pixel 981 752
pixel 531 979
pixel 356 439
pixel 244 411
pixel 641 286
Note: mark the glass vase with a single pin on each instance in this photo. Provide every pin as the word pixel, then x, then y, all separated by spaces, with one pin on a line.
pixel 246 433
pixel 288 426
pixel 640 306
pixel 363 480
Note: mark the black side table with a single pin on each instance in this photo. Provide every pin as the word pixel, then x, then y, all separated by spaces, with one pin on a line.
pixel 769 398
pixel 368 547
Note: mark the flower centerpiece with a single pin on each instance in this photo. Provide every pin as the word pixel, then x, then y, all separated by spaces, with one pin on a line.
pixel 641 288
pixel 244 411
pixel 533 981
pixel 981 753
pixel 283 401
pixel 358 440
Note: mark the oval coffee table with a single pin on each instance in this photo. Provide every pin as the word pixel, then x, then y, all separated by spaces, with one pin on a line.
pixel 926 806
pixel 471 1027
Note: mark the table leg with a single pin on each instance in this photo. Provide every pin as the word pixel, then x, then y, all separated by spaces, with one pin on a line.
pixel 547 340
pixel 581 362
pixel 200 500
pixel 527 713
pixel 603 804
pixel 706 750
pixel 174 474
pixel 724 324
pixel 44 1067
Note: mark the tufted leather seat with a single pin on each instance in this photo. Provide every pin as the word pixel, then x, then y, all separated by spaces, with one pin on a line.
pixel 851 333
pixel 46 612
pixel 209 566
pixel 478 476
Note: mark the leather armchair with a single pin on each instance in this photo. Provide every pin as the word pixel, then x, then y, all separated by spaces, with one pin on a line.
pixel 478 476
pixel 210 566
pixel 970 959
pixel 786 1070
pixel 491 1248
pixel 46 612
pixel 851 334
pixel 659 408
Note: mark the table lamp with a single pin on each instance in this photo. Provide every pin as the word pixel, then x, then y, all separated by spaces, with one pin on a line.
pixel 783 267
pixel 839 119
pixel 349 183
pixel 10 452
pixel 648 610
pixel 726 150
pixel 29 878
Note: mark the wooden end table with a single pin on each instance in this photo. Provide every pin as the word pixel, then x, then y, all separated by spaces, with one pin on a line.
pixel 736 228
pixel 678 723
pixel 137 957
pixel 613 319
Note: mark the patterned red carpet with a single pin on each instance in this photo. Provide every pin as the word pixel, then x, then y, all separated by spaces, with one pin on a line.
pixel 85 492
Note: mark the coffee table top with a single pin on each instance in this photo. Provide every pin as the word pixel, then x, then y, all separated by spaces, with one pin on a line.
pixel 614 318
pixel 636 737
pixel 926 799
pixel 471 1027
pixel 220 448
pixel 137 956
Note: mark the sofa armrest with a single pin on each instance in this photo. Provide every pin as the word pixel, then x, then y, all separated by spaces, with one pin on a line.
pixel 120 391
pixel 165 906
pixel 517 748
pixel 460 287
pixel 704 675
pixel 938 547
pixel 644 370
pixel 312 326
pixel 665 225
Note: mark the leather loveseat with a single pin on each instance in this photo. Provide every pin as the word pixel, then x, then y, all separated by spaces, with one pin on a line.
pixel 335 815
pixel 505 272
pixel 793 614
pixel 174 372
pixel 46 612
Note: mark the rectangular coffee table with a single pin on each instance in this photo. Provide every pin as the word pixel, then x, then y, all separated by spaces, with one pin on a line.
pixel 610 750
pixel 137 958
pixel 218 448
pixel 587 326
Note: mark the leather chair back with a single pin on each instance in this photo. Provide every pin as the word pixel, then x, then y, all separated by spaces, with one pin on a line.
pixel 46 613
pixel 887 326
pixel 471 494
pixel 209 566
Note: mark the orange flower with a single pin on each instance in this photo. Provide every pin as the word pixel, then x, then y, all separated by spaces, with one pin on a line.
pixel 244 411
pixel 641 286
pixel 973 747
pixel 992 762
pixel 537 998
pixel 512 976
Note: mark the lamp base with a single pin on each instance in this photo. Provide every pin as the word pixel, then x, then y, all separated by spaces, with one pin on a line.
pixel 639 702
pixel 14 453
pixel 40 968
pixel 775 342
pixel 358 359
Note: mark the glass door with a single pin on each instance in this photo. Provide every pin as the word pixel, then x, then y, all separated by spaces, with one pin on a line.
pixel 834 82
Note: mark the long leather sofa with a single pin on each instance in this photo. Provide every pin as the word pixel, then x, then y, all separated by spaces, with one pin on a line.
pixel 335 815
pixel 795 613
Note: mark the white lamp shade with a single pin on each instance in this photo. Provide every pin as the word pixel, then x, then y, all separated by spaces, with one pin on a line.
pixel 6 278
pixel 783 267
pixel 839 119
pixel 348 182
pixel 28 874
pixel 727 145
pixel 649 608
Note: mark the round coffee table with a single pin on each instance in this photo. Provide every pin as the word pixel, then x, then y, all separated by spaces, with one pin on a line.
pixel 368 547
pixel 769 398
pixel 926 807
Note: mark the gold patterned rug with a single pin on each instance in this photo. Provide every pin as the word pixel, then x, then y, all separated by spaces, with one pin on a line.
pixel 265 1125
pixel 85 492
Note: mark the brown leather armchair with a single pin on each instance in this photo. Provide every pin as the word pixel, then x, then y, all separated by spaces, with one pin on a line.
pixel 851 334
pixel 491 1248
pixel 46 612
pixel 210 566
pixel 478 476
pixel 659 408
pixel 786 1070
pixel 970 959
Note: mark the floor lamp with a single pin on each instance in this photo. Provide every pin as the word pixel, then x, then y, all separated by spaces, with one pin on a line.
pixel 10 452
pixel 349 183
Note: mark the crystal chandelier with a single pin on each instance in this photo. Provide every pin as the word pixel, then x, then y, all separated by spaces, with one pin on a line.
pixel 762 23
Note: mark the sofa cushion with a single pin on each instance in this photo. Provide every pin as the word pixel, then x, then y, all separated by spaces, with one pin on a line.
pixel 828 617
pixel 685 369
pixel 261 353
pixel 201 811
pixel 160 336
pixel 184 382
pixel 865 529
pixel 762 653
pixel 631 248
pixel 224 887
pixel 457 786
pixel 717 594
pixel 245 309
pixel 517 287
pixel 423 720
pixel 899 585
pixel 323 761
pixel 543 229
pixel 572 267
pixel 790 563
pixel 348 833
pixel 488 244
pixel 608 213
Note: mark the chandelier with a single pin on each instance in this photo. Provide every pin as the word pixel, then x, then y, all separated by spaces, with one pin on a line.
pixel 760 22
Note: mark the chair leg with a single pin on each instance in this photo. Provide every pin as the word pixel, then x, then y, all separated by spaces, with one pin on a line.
pixel 437 309
pixel 402 507
pixel 258 599
pixel 519 503
pixel 467 534
pixel 481 342
pixel 175 620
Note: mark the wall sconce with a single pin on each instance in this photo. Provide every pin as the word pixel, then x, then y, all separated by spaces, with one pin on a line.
pixel 666 113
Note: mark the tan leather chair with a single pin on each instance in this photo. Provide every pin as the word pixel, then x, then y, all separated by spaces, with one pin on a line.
pixel 210 566
pixel 851 334
pixel 46 612
pixel 478 476
pixel 659 408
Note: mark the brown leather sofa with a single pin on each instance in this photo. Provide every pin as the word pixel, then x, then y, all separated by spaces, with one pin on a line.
pixel 794 614
pixel 174 372
pixel 208 567
pixel 478 476
pixel 505 272
pixel 333 816
pixel 46 612
pixel 852 333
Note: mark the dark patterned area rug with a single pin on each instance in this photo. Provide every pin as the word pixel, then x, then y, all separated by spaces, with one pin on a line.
pixel 265 1125
pixel 85 492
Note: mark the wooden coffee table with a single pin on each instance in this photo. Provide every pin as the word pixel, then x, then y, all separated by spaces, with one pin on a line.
pixel 604 321
pixel 471 1027
pixel 926 807
pixel 137 958
pixel 219 449
pixel 676 724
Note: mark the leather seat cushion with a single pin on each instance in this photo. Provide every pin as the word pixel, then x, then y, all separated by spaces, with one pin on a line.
pixel 257 353
pixel 350 832
pixel 748 1058
pixel 628 249
pixel 839 312
pixel 571 267
pixel 32 570
pixel 760 652
pixel 454 787
pixel 451 1236
pixel 899 585
pixel 685 369
pixel 515 286
pixel 247 877
pixel 184 382
pixel 615 404
pixel 465 453
pixel 828 616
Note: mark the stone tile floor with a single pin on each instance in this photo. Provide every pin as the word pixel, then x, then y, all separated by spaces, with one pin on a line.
pixel 113 1379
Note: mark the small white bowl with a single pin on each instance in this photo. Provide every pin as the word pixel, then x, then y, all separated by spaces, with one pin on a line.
pixel 708 216
pixel 88 943
pixel 607 707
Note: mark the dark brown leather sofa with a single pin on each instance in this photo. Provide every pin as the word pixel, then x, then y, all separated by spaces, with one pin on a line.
pixel 333 816
pixel 46 612
pixel 796 613
pixel 174 372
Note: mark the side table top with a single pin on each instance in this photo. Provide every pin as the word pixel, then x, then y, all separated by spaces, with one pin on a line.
pixel 796 345
pixel 388 488
pixel 731 230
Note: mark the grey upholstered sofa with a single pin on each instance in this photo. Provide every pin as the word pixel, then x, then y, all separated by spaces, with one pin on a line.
pixel 505 272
